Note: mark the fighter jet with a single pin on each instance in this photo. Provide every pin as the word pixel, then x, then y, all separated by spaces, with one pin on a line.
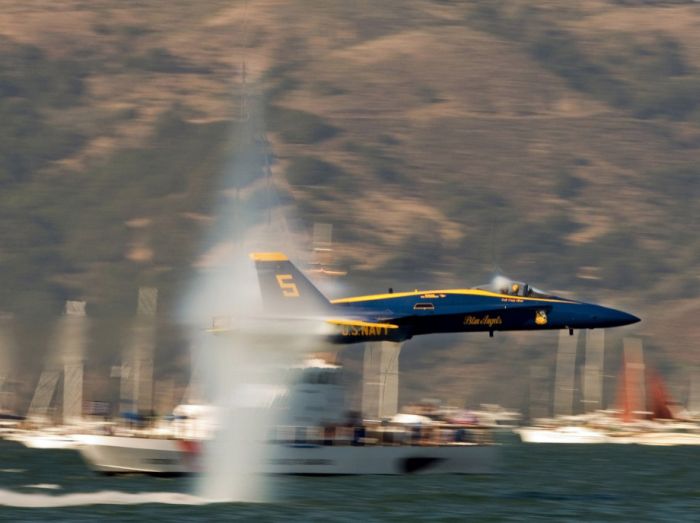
pixel 503 305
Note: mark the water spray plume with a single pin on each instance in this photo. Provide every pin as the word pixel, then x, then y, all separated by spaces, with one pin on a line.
pixel 244 369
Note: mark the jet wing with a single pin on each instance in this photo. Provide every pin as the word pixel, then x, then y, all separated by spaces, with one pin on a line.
pixel 225 324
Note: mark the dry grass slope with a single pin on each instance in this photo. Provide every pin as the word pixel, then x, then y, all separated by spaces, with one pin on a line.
pixel 552 139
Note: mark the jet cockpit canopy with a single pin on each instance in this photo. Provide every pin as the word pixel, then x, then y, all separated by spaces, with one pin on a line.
pixel 503 285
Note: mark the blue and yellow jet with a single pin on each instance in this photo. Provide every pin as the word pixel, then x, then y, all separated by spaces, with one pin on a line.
pixel 504 305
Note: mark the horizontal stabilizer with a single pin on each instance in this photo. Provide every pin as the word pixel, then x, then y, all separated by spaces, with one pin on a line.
pixel 219 330
pixel 359 323
pixel 268 256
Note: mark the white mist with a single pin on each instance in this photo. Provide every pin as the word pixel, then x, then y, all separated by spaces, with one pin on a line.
pixel 243 370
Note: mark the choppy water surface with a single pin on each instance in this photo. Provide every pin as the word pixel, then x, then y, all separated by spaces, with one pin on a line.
pixel 552 482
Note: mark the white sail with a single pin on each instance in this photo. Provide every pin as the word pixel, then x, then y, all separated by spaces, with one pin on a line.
pixel 380 379
pixel 565 374
pixel 136 394
pixel 635 376
pixel 593 370
pixel 72 340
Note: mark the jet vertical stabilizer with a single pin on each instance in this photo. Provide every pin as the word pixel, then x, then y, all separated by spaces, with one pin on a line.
pixel 284 289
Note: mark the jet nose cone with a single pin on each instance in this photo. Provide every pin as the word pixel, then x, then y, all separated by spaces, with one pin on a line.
pixel 616 318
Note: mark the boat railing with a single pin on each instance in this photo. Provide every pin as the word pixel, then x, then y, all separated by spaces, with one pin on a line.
pixel 369 435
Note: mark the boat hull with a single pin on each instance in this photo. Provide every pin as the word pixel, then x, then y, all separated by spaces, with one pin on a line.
pixel 567 435
pixel 115 454
pixel 38 440
pixel 658 439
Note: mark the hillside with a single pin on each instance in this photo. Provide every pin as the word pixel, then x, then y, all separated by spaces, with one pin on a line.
pixel 560 143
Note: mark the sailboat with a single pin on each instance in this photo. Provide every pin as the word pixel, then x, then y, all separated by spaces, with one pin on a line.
pixel 648 415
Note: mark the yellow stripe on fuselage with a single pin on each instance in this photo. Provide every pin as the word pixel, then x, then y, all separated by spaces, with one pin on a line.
pixel 462 292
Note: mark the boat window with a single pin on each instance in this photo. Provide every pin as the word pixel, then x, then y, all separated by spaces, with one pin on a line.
pixel 310 377
pixel 319 377
pixel 424 307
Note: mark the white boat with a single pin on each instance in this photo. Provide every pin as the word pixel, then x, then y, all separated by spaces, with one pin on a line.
pixel 656 433
pixel 41 436
pixel 60 437
pixel 562 434
pixel 119 454
pixel 38 439
pixel 317 439
pixel 647 415
pixel 607 427
pixel 664 439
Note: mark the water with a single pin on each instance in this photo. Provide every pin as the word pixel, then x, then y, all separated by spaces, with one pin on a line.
pixel 538 482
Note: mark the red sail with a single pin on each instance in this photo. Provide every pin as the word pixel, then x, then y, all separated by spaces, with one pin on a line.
pixel 659 399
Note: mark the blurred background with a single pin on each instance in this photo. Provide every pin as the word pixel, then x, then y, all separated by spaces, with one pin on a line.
pixel 555 142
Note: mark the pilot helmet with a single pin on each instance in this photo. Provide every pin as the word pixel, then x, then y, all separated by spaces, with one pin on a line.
pixel 515 288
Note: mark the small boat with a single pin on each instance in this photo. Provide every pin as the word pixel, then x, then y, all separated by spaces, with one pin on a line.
pixel 157 456
pixel 40 439
pixel 562 434
pixel 647 416
pixel 318 438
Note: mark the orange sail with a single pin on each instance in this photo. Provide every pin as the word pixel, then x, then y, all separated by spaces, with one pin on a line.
pixel 658 400
pixel 629 395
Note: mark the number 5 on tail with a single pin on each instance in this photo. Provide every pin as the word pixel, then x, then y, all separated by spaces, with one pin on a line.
pixel 286 283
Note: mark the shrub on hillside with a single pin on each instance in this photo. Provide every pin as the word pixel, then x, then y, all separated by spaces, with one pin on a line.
pixel 384 167
pixel 674 98
pixel 299 127
pixel 26 72
pixel 310 171
pixel 27 143
pixel 159 60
